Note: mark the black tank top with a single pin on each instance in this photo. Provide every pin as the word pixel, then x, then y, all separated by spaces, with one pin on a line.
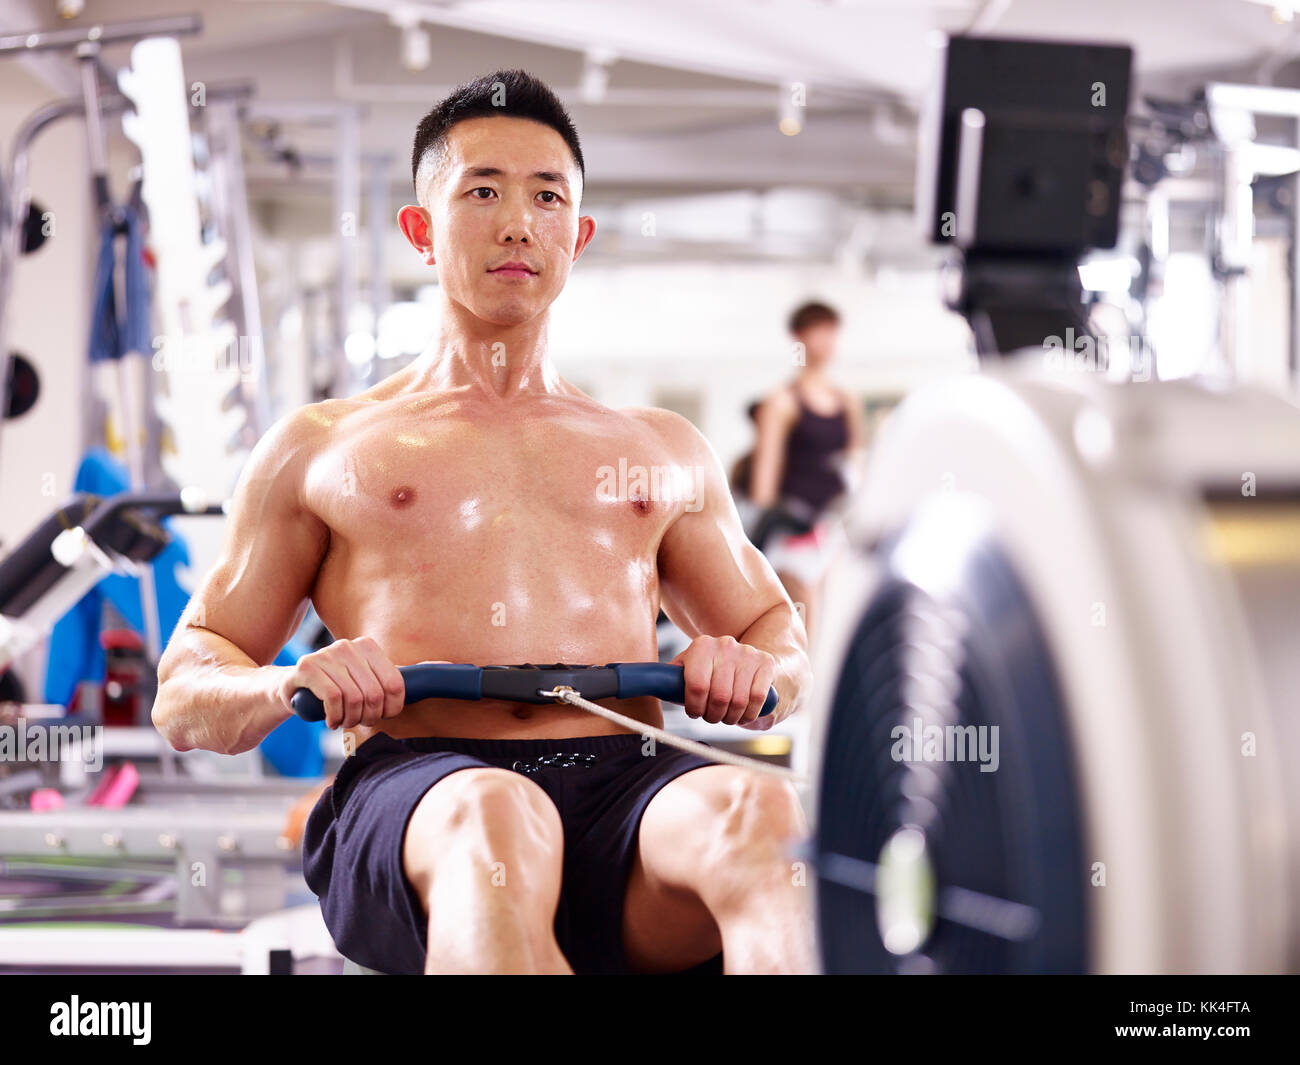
pixel 814 439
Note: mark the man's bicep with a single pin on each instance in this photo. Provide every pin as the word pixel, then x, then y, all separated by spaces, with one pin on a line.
pixel 712 580
pixel 255 594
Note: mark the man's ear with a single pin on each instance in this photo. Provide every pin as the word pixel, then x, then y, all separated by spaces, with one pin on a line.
pixel 586 231
pixel 417 228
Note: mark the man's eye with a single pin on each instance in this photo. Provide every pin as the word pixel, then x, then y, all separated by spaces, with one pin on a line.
pixel 482 188
pixel 548 192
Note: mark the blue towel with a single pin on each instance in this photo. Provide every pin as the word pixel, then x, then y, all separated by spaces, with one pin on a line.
pixel 108 339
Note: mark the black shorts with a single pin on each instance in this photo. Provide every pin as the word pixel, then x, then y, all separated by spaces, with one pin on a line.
pixel 601 785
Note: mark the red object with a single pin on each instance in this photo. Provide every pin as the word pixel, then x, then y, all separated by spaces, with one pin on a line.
pixel 124 672
pixel 812 538
pixel 116 788
pixel 120 640
pixel 45 799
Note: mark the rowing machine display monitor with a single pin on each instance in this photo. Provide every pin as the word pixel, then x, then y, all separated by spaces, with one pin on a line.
pixel 1024 149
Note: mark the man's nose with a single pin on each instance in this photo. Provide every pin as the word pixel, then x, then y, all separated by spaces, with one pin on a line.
pixel 516 221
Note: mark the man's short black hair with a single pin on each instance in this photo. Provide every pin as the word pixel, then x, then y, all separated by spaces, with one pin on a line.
pixel 514 93
pixel 811 314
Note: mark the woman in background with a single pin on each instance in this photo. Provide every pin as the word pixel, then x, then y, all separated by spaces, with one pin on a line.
pixel 793 478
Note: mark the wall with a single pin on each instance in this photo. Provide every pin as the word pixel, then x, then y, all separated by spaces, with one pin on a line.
pixel 628 332
pixel 48 315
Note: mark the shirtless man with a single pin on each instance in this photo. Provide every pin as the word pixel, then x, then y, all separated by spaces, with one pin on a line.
pixel 458 512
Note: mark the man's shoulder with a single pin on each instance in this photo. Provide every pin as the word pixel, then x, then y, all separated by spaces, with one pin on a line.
pixel 657 418
pixel 306 427
pixel 298 436
pixel 675 430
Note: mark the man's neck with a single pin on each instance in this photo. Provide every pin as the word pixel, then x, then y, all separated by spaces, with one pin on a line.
pixel 496 361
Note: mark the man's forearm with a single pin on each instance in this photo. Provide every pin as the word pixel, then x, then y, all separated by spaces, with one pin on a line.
pixel 214 697
pixel 781 634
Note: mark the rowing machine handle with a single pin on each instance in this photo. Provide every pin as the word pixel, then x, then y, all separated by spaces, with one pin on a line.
pixel 665 682
pixel 620 680
pixel 424 681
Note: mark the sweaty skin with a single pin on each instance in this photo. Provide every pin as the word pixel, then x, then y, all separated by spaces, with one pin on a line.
pixel 457 511
pixel 453 526
pixel 464 533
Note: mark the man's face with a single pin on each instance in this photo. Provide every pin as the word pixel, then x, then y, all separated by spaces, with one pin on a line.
pixel 507 192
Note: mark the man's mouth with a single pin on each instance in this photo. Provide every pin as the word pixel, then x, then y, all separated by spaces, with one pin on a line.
pixel 513 269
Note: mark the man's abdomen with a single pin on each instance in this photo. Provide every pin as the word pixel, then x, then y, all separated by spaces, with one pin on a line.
pixel 578 616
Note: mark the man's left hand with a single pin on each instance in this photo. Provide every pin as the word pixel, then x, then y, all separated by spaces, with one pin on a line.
pixel 727 681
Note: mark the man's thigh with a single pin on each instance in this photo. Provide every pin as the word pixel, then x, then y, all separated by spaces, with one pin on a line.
pixel 666 925
pixel 477 807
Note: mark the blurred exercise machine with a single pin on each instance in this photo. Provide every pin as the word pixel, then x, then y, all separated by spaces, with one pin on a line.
pixel 73 550
pixel 1055 721
pixel 202 844
pixel 203 841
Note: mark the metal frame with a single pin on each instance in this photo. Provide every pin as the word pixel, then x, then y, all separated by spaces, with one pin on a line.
pixel 347 161
pixel 242 845
pixel 1233 109
pixel 87 42
pixel 300 931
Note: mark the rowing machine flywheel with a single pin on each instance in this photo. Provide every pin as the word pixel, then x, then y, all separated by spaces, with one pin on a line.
pixel 947 831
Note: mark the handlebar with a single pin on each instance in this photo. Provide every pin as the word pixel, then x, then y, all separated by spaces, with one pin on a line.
pixel 522 684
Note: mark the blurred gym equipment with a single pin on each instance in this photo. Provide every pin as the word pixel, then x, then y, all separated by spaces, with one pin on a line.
pixel 1056 705
pixel 203 840
pixel 24 386
pixel 1074 564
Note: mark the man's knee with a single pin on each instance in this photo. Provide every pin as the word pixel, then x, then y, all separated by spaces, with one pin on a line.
pixel 778 803
pixel 475 802
pixel 490 816
pixel 758 819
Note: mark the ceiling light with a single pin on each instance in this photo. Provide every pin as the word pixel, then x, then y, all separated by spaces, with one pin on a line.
pixel 595 74
pixel 415 48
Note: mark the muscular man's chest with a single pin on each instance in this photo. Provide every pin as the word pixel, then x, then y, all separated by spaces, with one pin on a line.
pixel 490 487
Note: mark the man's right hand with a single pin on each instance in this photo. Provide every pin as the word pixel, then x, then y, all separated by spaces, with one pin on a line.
pixel 353 679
